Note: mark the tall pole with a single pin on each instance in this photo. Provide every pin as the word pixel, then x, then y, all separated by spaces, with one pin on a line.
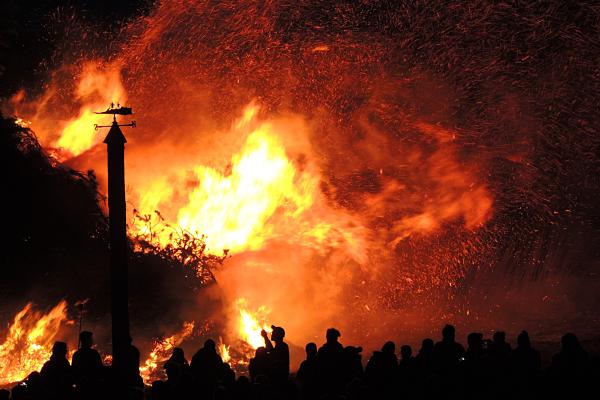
pixel 115 142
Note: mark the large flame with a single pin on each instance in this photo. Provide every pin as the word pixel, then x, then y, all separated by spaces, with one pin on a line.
pixel 261 196
pixel 28 344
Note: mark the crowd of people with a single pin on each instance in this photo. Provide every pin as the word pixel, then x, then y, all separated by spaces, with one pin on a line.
pixel 486 369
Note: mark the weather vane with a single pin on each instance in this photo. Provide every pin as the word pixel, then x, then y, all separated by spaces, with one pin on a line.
pixel 118 242
pixel 114 111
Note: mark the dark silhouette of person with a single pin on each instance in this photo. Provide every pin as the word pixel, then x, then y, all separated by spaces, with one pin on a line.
pixel 526 364
pixel 259 364
pixel 206 367
pixel 381 370
pixel 178 358
pixel 406 358
pixel 498 361
pixel 179 377
pixel 242 388
pixel 447 357
pixel 424 359
pixel 475 368
pixel 133 366
pixel 330 359
pixel 352 364
pixel 31 388
pixel 407 373
pixel 572 359
pixel 56 374
pixel 279 355
pixel 569 372
pixel 307 374
pixel 227 378
pixel 407 364
pixel 159 390
pixel 447 353
pixel 499 345
pixel 87 366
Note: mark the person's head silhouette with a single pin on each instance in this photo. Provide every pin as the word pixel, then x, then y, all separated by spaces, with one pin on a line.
pixel 59 350
pixel 210 345
pixel 389 348
pixel 311 350
pixel 570 342
pixel 277 333
pixel 449 333
pixel 86 339
pixel 178 354
pixel 523 339
pixel 260 352
pixel 405 352
pixel 332 335
pixel 499 337
pixel 474 340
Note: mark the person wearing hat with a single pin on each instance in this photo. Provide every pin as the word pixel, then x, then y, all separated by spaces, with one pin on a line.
pixel 278 355
pixel 330 363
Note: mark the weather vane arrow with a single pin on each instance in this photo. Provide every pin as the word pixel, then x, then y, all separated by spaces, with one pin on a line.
pixel 118 110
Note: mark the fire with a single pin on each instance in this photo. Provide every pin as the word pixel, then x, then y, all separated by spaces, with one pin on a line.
pixel 262 194
pixel 223 351
pixel 96 89
pixel 28 344
pixel 246 334
pixel 151 370
pixel 251 324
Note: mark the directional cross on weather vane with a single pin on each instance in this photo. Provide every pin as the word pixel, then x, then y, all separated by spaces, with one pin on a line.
pixel 114 111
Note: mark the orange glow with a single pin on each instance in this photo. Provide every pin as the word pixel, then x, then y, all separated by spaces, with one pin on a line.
pixel 152 368
pixel 28 344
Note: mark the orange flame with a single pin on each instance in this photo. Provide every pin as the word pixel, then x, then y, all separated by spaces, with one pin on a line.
pixel 96 90
pixel 29 342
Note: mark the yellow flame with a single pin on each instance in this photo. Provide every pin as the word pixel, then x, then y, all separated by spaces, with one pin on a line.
pixel 29 342
pixel 232 210
pixel 263 196
pixel 152 368
pixel 250 324
pixel 223 351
